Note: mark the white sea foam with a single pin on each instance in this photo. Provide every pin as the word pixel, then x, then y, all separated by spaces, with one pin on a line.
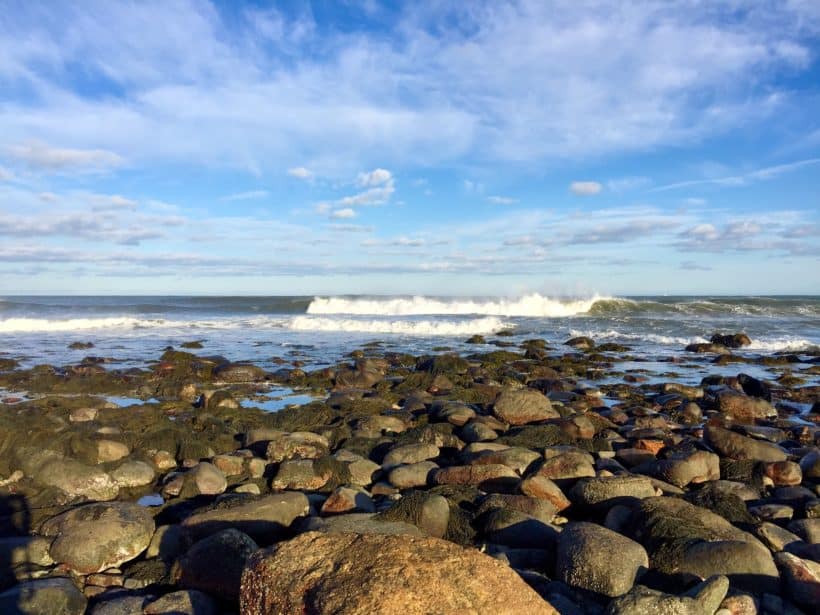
pixel 408 327
pixel 784 344
pixel 23 325
pixel 668 340
pixel 533 305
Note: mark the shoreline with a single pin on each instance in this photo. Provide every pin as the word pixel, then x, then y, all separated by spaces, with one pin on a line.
pixel 511 450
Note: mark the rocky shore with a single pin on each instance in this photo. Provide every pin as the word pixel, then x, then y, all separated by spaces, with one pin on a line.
pixel 516 479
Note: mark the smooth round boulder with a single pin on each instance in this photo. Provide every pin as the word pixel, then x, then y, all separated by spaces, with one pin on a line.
pixel 214 565
pixel 95 537
pixel 523 406
pixel 376 573
pixel 595 558
pixel 133 474
pixel 56 596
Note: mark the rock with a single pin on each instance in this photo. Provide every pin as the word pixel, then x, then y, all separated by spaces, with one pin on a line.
pixel 810 464
pixel 206 479
pixel 412 475
pixel 214 565
pixel 76 479
pixel 605 490
pixel 82 415
pixel 538 486
pixel 428 512
pixel 238 372
pixel 730 444
pixel 733 340
pixel 367 573
pixel 580 343
pixel 95 537
pixel 578 427
pixel 409 453
pixel 522 406
pixel 783 473
pixel 357 523
pixel 24 551
pixel 515 458
pixel 748 565
pixel 567 465
pixel 119 602
pixel 301 475
pixel 667 526
pixel 478 432
pixel 348 500
pixel 516 529
pixel 707 347
pixel 807 529
pixel 802 579
pixel 167 543
pixel 183 602
pixel 689 392
pixel 491 478
pixel 229 465
pixel 133 474
pixel 742 408
pixel 297 445
pixel 55 596
pixel 362 471
pixel 111 450
pixel 774 536
pixel 585 559
pixel 456 414
pixel 703 599
pixel 265 519
pixel 695 467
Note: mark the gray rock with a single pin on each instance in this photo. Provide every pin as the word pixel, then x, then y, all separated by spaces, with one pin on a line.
pixel 55 596
pixel 184 602
pixel 357 523
pixel 595 491
pixel 696 467
pixel 133 474
pixel 703 599
pixel 807 529
pixel 265 518
pixel 95 537
pixel 412 475
pixel 585 559
pixel 214 565
pixel 409 453
pixel 736 446
pixel 523 406
pixel 748 565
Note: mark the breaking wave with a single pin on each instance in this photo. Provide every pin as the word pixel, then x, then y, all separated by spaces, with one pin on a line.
pixel 533 305
pixel 407 327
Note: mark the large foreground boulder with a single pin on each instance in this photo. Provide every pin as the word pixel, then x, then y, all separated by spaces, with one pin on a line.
pixel 95 537
pixel 370 573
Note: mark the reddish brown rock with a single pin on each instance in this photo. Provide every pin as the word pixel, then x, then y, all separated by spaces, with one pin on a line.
pixel 522 406
pixel 370 573
pixel 493 477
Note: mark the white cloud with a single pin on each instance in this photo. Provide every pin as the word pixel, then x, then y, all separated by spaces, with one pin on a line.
pixel 376 177
pixel 601 78
pixel 5 175
pixel 502 200
pixel 103 202
pixel 585 188
pixel 300 172
pixel 41 157
pixel 246 196
pixel 347 212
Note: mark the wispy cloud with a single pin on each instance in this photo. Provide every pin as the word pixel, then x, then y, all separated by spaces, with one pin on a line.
pixel 250 195
pixel 743 179
pixel 502 200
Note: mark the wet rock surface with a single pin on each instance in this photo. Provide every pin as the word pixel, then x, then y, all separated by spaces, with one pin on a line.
pixel 515 479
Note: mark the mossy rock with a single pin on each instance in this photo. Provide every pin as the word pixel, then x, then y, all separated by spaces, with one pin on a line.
pixel 535 437
pixel 408 510
pixel 8 364
pixel 302 418
pixel 727 505
pixel 339 472
pixel 447 364
pixel 748 471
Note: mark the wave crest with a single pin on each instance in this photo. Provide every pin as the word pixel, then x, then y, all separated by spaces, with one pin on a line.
pixel 408 327
pixel 533 305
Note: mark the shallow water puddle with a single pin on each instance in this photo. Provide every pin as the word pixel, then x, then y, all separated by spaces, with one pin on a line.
pixel 279 398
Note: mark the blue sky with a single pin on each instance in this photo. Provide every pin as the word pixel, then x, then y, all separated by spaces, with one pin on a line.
pixel 492 148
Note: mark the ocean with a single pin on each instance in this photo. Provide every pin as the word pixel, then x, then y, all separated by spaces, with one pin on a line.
pixel 322 330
